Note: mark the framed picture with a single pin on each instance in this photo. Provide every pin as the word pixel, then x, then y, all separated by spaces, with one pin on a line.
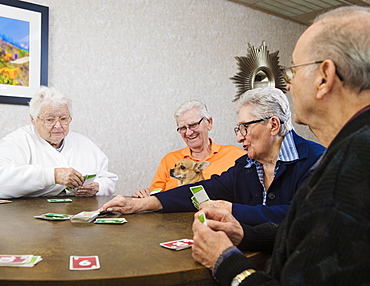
pixel 23 50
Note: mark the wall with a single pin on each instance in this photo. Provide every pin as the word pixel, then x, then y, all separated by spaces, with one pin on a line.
pixel 128 64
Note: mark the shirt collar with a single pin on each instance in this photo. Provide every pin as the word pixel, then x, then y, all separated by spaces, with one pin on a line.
pixel 288 151
pixel 215 148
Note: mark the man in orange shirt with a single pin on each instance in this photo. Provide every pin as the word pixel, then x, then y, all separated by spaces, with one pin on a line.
pixel 194 123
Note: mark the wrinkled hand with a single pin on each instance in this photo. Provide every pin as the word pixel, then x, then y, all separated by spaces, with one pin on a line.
pixel 208 244
pixel 217 204
pixel 222 220
pixel 88 190
pixel 68 177
pixel 121 204
pixel 142 193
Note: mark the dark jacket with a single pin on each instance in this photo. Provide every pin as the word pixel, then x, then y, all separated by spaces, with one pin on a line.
pixel 242 187
pixel 325 238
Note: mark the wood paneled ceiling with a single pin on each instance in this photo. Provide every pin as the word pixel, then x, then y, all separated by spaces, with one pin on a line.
pixel 300 11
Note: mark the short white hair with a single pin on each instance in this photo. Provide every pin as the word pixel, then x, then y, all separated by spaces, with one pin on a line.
pixel 200 106
pixel 48 96
pixel 267 102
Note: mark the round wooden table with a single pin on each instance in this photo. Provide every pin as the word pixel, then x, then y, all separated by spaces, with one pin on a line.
pixel 129 254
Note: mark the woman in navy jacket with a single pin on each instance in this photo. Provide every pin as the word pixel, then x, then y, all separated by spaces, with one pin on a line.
pixel 261 184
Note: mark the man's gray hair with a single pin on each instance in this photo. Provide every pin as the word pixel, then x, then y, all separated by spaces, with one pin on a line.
pixel 267 102
pixel 201 107
pixel 344 39
pixel 48 96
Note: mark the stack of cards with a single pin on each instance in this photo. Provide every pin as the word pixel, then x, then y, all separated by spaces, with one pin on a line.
pixel 199 195
pixel 178 244
pixel 53 216
pixel 84 263
pixel 19 260
pixel 85 216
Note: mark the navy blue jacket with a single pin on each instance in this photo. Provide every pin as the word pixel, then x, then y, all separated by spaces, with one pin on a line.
pixel 242 187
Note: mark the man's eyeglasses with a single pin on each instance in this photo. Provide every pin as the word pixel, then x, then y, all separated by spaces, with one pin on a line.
pixel 51 121
pixel 289 73
pixel 192 126
pixel 242 127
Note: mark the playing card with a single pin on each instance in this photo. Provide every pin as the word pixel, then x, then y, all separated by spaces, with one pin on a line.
pixel 110 220
pixel 178 244
pixel 5 201
pixel 85 216
pixel 202 218
pixel 199 193
pixel 84 263
pixel 52 216
pixel 7 260
pixel 195 202
pixel 89 179
pixel 59 200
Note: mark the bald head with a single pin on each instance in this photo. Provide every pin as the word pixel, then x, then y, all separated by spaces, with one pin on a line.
pixel 342 35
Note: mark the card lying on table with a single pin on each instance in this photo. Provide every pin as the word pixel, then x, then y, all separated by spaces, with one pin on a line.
pixel 85 216
pixel 59 200
pixel 84 263
pixel 19 260
pixel 5 201
pixel 52 216
pixel 178 244
pixel 111 220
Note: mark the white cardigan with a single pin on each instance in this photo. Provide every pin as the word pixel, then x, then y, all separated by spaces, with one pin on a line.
pixel 27 164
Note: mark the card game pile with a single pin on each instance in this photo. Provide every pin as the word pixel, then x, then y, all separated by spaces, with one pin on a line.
pixel 85 216
pixel 19 260
pixel 199 195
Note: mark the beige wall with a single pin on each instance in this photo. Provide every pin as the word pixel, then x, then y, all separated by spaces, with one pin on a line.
pixel 129 63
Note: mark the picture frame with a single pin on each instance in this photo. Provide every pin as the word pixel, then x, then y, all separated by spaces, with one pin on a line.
pixel 24 37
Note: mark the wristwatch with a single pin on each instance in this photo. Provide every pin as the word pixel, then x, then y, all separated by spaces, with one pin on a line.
pixel 241 276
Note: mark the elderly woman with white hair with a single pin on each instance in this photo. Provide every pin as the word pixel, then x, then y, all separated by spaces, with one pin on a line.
pixel 260 186
pixel 46 159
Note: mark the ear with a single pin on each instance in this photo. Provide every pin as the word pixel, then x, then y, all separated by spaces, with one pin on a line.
pixel 33 121
pixel 202 165
pixel 327 78
pixel 275 125
pixel 210 122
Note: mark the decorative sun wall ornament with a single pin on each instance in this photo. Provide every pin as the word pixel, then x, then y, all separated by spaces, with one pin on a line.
pixel 258 69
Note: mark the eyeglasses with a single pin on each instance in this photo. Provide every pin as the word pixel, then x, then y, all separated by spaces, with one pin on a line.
pixel 289 73
pixel 242 127
pixel 51 121
pixel 192 126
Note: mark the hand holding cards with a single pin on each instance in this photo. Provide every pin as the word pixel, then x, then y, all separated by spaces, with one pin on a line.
pixel 88 179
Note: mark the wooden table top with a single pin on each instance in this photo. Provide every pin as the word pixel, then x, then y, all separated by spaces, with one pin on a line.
pixel 128 253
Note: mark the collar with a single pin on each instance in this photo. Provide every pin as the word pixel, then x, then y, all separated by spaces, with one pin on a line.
pixel 288 151
pixel 215 148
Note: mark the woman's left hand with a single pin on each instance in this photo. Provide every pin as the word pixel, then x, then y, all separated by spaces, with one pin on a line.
pixel 88 190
